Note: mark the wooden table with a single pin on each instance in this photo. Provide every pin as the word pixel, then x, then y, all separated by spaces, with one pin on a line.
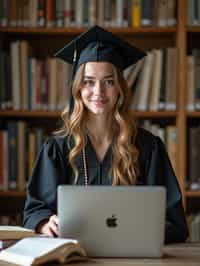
pixel 176 255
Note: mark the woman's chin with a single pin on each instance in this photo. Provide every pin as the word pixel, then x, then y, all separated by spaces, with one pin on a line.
pixel 98 111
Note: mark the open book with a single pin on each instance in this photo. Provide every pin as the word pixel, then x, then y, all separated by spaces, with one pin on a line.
pixel 15 232
pixel 39 250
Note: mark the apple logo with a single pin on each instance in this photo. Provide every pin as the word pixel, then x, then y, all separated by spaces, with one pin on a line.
pixel 111 221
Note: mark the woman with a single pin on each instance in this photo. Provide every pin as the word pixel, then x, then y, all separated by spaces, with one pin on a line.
pixel 100 142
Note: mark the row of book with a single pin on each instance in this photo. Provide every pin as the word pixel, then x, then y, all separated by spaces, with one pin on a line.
pixel 168 134
pixel 11 219
pixel 19 146
pixel 193 12
pixel 76 13
pixel 193 80
pixel 155 87
pixel 193 180
pixel 36 84
pixel 28 83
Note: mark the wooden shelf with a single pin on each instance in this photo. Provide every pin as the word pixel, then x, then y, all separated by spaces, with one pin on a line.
pixel 192 194
pixel 193 114
pixel 49 114
pixel 74 31
pixel 156 114
pixel 12 194
pixel 193 29
pixel 56 114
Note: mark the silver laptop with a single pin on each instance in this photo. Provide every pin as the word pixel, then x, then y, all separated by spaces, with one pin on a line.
pixel 114 221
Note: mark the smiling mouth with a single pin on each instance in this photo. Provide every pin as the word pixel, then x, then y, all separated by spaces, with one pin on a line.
pixel 99 101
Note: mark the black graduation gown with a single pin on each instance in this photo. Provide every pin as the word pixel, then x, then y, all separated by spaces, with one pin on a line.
pixel 52 168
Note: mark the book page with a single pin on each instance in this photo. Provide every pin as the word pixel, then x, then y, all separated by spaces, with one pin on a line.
pixel 38 246
pixel 28 249
pixel 14 228
pixel 15 232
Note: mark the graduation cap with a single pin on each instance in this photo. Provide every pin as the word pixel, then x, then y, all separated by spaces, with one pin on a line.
pixel 98 45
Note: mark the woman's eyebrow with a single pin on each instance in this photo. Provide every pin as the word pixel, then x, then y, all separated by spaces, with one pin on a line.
pixel 92 77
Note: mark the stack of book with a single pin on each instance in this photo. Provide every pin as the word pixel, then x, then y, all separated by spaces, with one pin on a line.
pixel 45 85
pixel 19 146
pixel 24 247
pixel 76 13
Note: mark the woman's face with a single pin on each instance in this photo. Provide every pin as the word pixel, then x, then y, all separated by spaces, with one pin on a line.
pixel 98 90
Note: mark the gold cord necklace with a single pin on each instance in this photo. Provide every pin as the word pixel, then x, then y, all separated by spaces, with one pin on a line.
pixel 85 167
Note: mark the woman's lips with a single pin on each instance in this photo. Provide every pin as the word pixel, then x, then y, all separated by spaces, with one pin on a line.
pixel 99 102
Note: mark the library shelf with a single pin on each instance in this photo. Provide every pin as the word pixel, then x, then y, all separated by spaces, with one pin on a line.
pixel 192 194
pixel 77 30
pixel 12 194
pixel 57 114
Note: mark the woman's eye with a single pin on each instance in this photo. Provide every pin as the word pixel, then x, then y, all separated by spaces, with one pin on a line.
pixel 109 82
pixel 88 83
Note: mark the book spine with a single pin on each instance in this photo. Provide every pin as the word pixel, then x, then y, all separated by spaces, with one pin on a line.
pixel 146 13
pixel 5 160
pixel 100 18
pixel 79 13
pixel 194 9
pixel 67 13
pixel 190 83
pixel 136 13
pixel 21 154
pixel 92 12
pixel 12 148
pixel 29 84
pixel 13 13
pixel 2 88
pixel 156 80
pixel 196 54
pixel 145 82
pixel 107 13
pixel 163 81
pixel 8 86
pixel 41 13
pixel 23 72
pixel 162 13
pixel 38 84
pixel 119 12
pixel 171 13
pixel 60 13
pixel 33 83
pixel 15 73
pixel 31 151
pixel 43 86
pixel 5 11
pixel 50 13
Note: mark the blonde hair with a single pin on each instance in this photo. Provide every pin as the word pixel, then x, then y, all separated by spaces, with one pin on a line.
pixel 124 153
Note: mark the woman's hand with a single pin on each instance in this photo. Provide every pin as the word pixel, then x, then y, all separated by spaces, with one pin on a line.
pixel 49 227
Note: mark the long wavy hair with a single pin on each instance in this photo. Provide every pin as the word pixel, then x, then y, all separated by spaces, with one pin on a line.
pixel 124 129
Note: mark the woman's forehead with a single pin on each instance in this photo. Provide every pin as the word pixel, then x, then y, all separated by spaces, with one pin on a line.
pixel 97 69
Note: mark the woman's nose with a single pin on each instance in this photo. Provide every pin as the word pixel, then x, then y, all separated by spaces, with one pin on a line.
pixel 99 88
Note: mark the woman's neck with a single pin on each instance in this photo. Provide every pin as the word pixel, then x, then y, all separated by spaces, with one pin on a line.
pixel 99 129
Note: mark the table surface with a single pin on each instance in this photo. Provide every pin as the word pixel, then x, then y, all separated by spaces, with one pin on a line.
pixel 176 255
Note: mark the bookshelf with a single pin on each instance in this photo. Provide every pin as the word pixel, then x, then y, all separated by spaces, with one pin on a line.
pixel 75 31
pixel 50 39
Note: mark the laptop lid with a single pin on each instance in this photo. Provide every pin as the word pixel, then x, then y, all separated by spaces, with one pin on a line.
pixel 114 221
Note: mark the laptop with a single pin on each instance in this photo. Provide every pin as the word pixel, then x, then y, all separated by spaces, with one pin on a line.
pixel 114 221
